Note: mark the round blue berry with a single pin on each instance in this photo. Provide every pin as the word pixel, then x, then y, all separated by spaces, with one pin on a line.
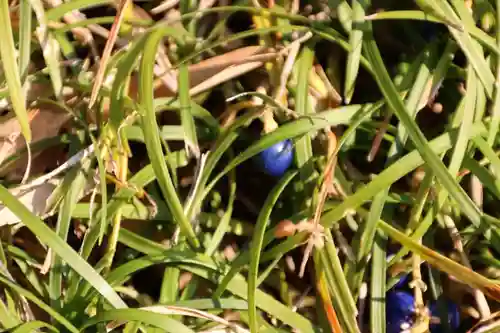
pixel 400 310
pixel 401 282
pixel 453 317
pixel 276 159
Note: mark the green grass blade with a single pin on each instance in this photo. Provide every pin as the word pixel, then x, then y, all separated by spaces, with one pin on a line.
pixel 187 121
pixel 76 181
pixel 377 285
pixel 433 161
pixel 11 70
pixel 50 48
pixel 344 13
pixel 490 154
pixel 391 174
pixel 25 24
pixel 25 262
pixel 303 148
pixel 206 268
pixel 33 326
pixel 8 318
pixel 476 59
pixel 152 137
pixel 495 117
pixel 225 219
pixel 35 300
pixel 491 182
pixel 341 294
pixel 356 43
pixel 301 126
pixel 257 243
pixel 221 145
pixel 478 34
pixel 142 178
pixel 139 315
pixel 462 273
pixel 56 13
pixel 355 272
pixel 49 237
pixel 465 120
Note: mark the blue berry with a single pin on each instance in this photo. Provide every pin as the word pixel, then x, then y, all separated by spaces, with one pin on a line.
pixel 401 282
pixel 276 159
pixel 453 317
pixel 400 310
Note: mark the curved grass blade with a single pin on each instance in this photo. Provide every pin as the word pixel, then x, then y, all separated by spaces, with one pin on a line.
pixel 257 243
pixel 238 286
pixel 143 316
pixel 50 46
pixel 83 23
pixel 187 121
pixel 490 154
pixel 33 326
pixel 49 237
pixel 141 178
pixel 219 233
pixel 326 300
pixel 211 304
pixel 462 273
pixel 75 180
pixel 303 145
pixel 56 13
pixel 495 117
pixel 416 136
pixel 152 137
pixel 391 174
pixel 25 26
pixel 356 43
pixel 205 268
pixel 344 13
pixel 296 128
pixel 11 70
pixel 26 293
pixel 377 285
pixel 463 118
pixel 342 297
pixel 226 138
pixel 482 37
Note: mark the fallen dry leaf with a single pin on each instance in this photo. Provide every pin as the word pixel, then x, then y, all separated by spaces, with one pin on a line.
pixel 10 135
pixel 34 199
pixel 207 73
pixel 216 70
pixel 45 122
pixel 106 54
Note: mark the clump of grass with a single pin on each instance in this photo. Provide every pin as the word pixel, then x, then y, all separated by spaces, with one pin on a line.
pixel 158 218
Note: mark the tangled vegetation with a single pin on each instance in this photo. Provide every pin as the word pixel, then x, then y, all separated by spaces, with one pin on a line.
pixel 250 166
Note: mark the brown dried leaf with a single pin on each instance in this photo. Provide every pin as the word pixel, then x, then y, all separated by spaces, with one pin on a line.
pixel 216 70
pixel 34 199
pixel 106 54
pixel 10 135
pixel 46 121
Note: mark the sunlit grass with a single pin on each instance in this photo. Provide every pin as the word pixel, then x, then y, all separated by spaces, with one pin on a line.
pixel 170 225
